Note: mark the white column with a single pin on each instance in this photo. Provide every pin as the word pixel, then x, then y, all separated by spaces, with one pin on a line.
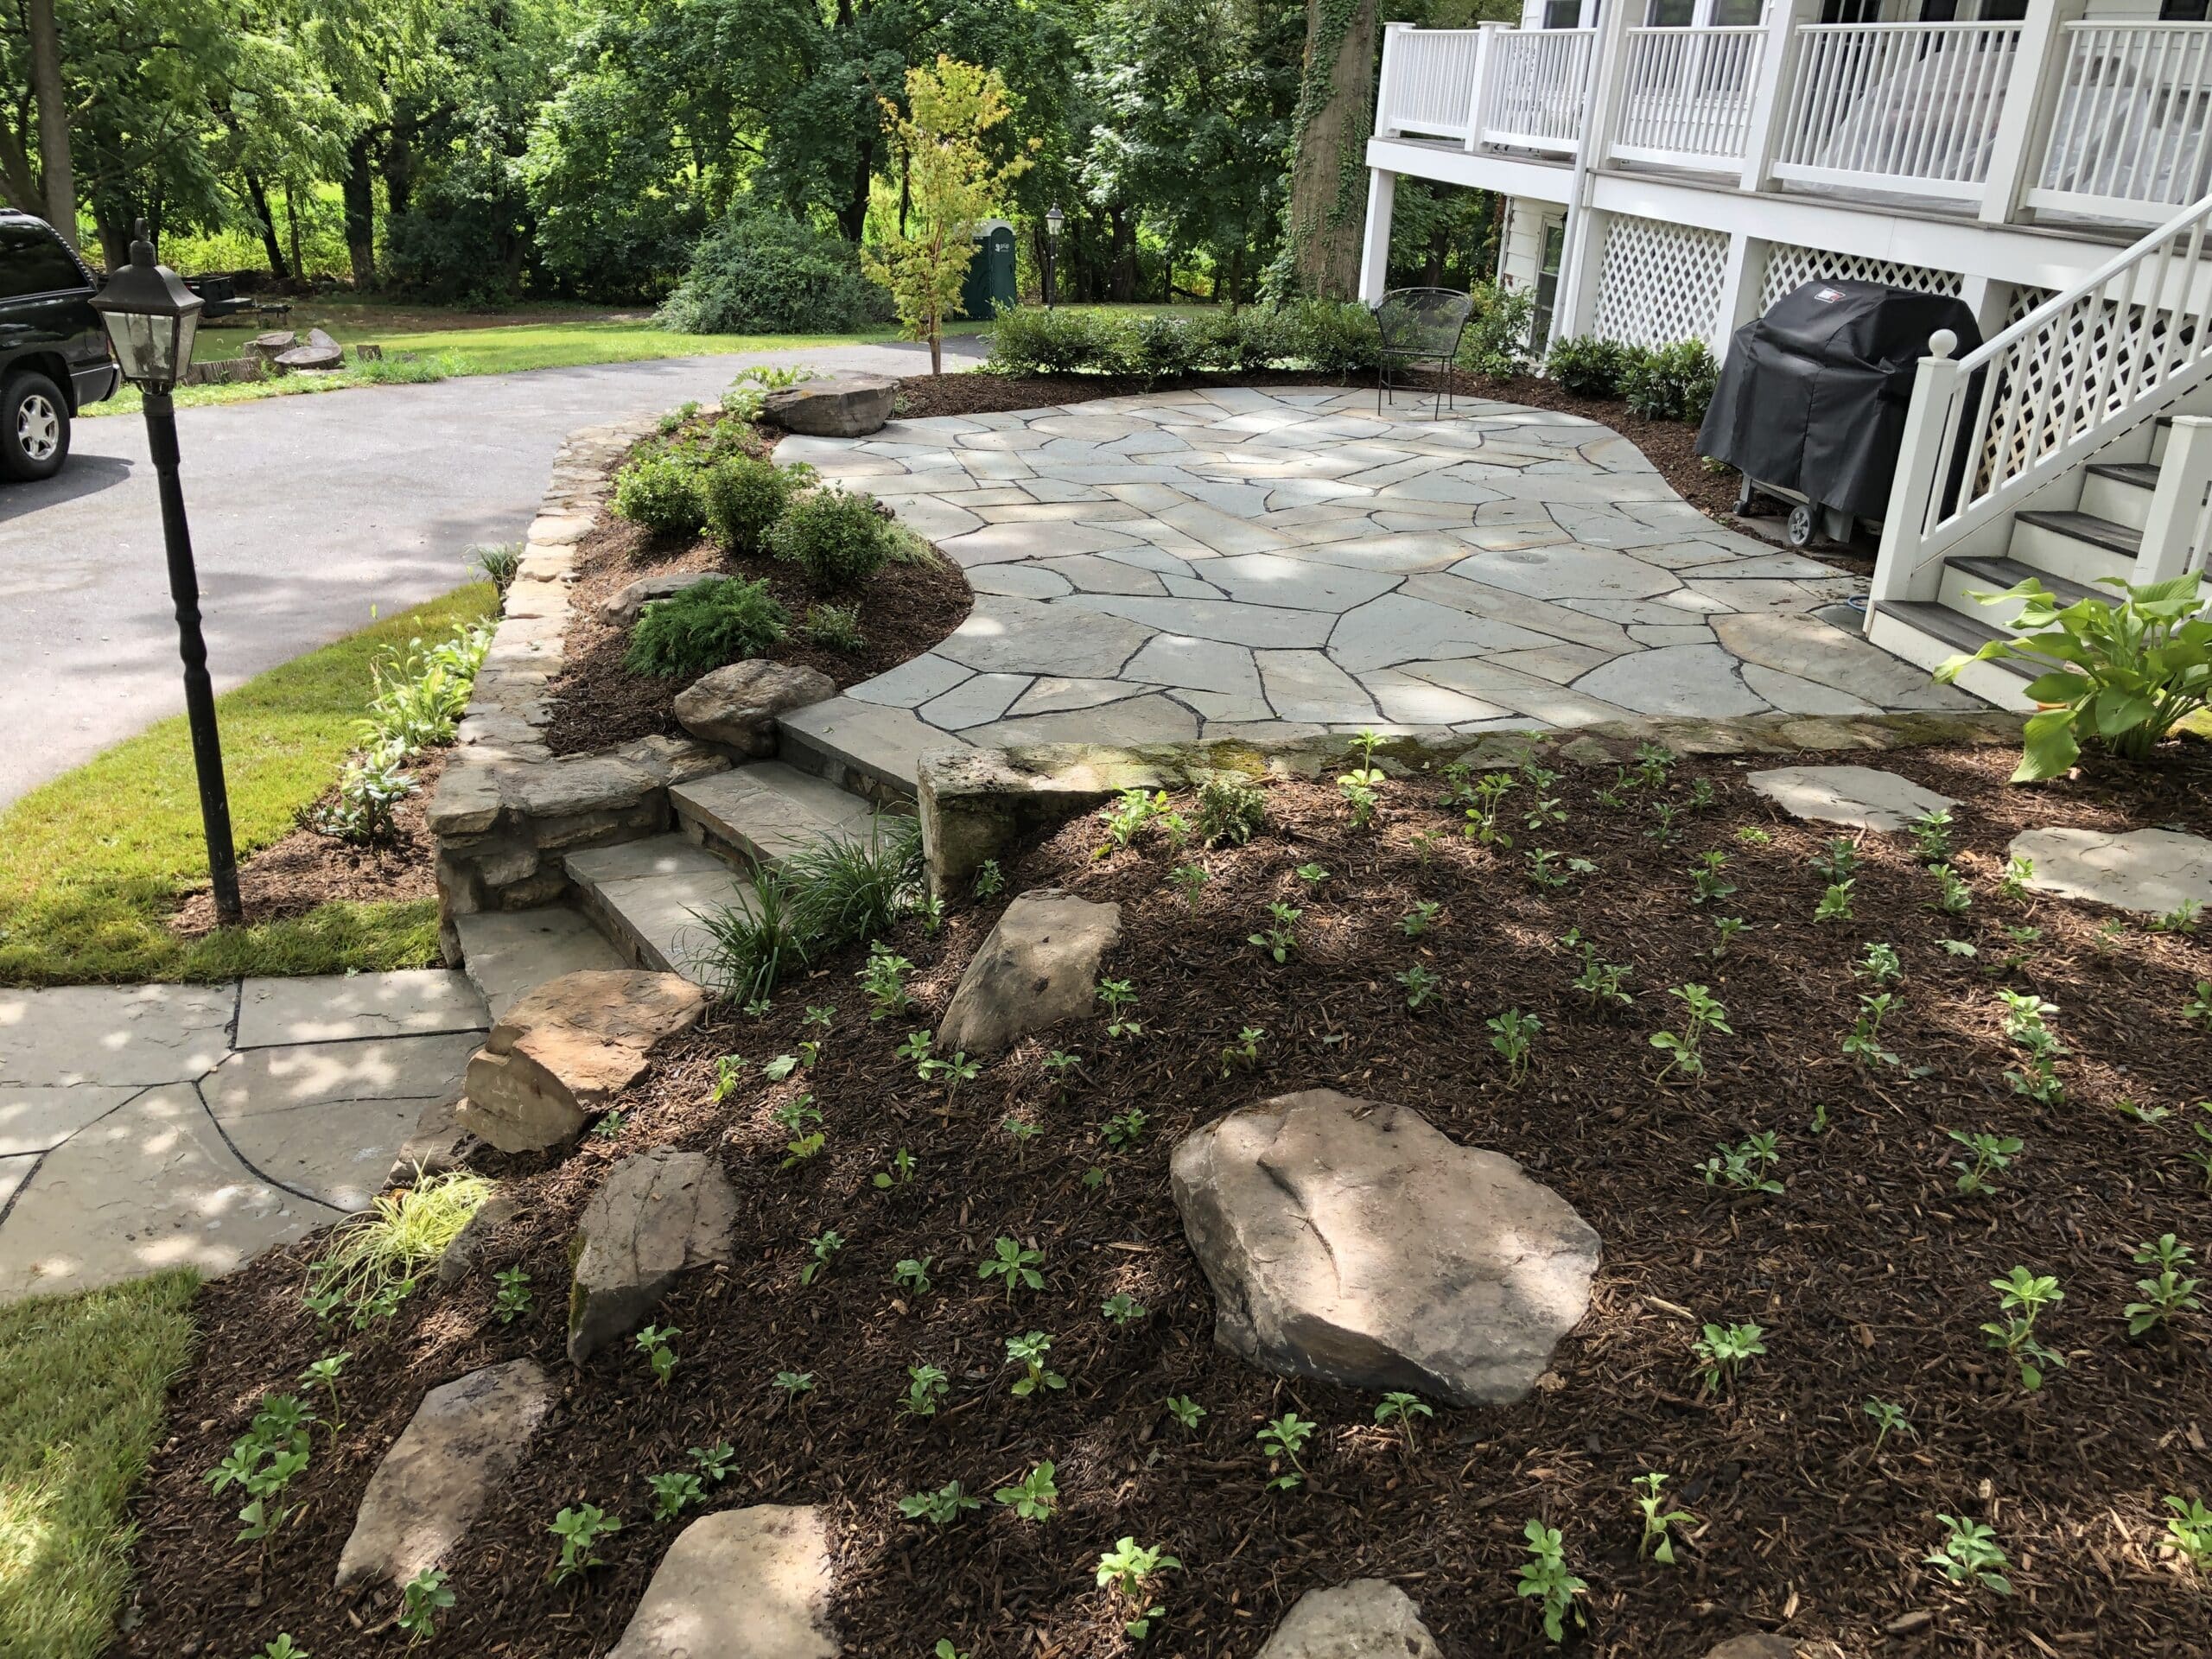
pixel 2177 505
pixel 1375 247
pixel 1582 254
pixel 1770 96
pixel 2024 124
pixel 1921 463
pixel 1741 280
pixel 1582 262
pixel 1384 127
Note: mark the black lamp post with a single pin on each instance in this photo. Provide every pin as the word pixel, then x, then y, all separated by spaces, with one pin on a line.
pixel 1053 220
pixel 151 317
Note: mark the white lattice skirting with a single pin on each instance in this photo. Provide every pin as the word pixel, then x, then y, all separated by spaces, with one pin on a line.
pixel 1659 282
pixel 1790 265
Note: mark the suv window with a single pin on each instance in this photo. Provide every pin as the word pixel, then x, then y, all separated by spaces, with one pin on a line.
pixel 32 261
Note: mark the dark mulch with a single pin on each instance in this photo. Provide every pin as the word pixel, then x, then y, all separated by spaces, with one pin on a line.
pixel 904 610
pixel 1869 1275
pixel 305 869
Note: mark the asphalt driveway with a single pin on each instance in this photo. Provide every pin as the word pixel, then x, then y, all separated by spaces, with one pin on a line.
pixel 310 516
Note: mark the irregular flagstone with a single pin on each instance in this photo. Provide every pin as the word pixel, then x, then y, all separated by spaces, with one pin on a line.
pixel 1698 680
pixel 1793 696
pixel 113 1033
pixel 1304 685
pixel 1139 719
pixel 13 1172
pixel 1367 1618
pixel 1018 636
pixel 743 1584
pixel 1859 798
pixel 1228 621
pixel 464 1440
pixel 39 1120
pixel 656 1215
pixel 1351 1241
pixel 2151 871
pixel 1037 967
pixel 1809 649
pixel 1525 694
pixel 1566 572
pixel 912 683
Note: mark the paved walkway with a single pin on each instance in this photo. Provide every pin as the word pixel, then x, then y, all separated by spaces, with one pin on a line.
pixel 1237 562
pixel 158 1126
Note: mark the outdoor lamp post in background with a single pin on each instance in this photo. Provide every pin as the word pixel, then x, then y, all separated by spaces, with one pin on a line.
pixel 151 317
pixel 1053 220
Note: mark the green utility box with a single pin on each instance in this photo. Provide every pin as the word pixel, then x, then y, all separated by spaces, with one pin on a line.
pixel 990 273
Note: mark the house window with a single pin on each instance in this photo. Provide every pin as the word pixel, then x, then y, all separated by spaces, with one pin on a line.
pixel 1736 14
pixel 2183 11
pixel 1670 14
pixel 1540 328
pixel 1562 14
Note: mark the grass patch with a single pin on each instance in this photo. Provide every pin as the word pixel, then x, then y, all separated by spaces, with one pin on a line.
pixel 92 863
pixel 82 1380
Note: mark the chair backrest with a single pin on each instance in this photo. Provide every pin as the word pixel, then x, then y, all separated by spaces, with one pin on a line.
pixel 1423 320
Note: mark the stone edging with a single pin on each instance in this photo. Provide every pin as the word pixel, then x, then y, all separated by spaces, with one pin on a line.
pixel 977 804
pixel 505 801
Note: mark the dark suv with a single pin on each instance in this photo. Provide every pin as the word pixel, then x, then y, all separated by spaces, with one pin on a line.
pixel 53 352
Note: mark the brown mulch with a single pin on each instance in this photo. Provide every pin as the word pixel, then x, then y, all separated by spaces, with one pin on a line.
pixel 292 876
pixel 1869 1274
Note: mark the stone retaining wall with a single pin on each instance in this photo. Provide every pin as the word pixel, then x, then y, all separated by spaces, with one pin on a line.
pixel 977 804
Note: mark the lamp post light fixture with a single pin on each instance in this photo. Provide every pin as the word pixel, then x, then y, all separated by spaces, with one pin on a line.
pixel 151 317
pixel 1053 220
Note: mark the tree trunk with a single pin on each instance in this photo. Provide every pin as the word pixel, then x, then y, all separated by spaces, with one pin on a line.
pixel 115 235
pixel 852 218
pixel 1328 178
pixel 60 176
pixel 256 196
pixel 399 169
pixel 292 229
pixel 359 194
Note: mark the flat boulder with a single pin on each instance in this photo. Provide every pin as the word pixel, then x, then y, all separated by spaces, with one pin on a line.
pixel 464 1440
pixel 1755 1644
pixel 2151 871
pixel 1037 967
pixel 741 1584
pixel 737 706
pixel 627 606
pixel 320 352
pixel 1857 797
pixel 562 1052
pixel 1351 1241
pixel 837 406
pixel 656 1215
pixel 1367 1618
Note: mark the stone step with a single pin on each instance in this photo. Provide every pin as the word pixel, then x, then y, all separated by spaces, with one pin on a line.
pixel 867 748
pixel 647 897
pixel 766 810
pixel 509 953
pixel 1931 634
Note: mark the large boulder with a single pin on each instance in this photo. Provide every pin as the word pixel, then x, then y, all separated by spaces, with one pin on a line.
pixel 464 1440
pixel 656 1215
pixel 742 1583
pixel 1350 1240
pixel 737 706
pixel 1037 967
pixel 840 406
pixel 566 1049
pixel 1367 1618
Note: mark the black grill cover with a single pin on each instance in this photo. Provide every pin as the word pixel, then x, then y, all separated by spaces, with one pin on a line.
pixel 1813 396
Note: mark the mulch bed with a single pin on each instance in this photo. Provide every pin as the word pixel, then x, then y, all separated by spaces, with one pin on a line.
pixel 292 876
pixel 1869 1274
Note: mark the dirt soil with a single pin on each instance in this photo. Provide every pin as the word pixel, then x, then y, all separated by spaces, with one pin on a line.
pixel 1869 1274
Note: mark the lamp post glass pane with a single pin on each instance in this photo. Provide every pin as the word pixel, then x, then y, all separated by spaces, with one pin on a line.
pixel 152 350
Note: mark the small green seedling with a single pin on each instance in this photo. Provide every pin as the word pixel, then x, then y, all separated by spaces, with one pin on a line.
pixel 926 1386
pixel 940 1508
pixel 1127 818
pixel 1990 1155
pixel 1128 1568
pixel 1685 1050
pixel 1060 1065
pixel 1659 1521
pixel 2014 884
pixel 673 1492
pixel 793 1384
pixel 1122 1310
pixel 1545 1580
pixel 1421 919
pixel 1188 878
pixel 1279 937
pixel 1931 835
pixel 822 1249
pixel 1010 1261
pixel 2182 919
pixel 883 980
pixel 1028 1352
pixel 1837 860
pixel 715 1462
pixel 1244 1053
pixel 1708 879
pixel 1724 1350
pixel 902 1173
pixel 512 1300
pixel 1035 1498
pixel 1862 1043
pixel 1969 1556
pixel 580 1530
pixel 1835 903
pixel 1725 929
pixel 281 1646
pixel 1420 986
pixel 1879 962
pixel 1400 1407
pixel 653 1342
pixel 990 881
pixel 1746 1167
pixel 2189 1531
pixel 1513 1033
pixel 1313 876
pixel 1186 1411
pixel 911 1274
pixel 1282 1439
pixel 1124 1130
pixel 951 1072
pixel 1954 897
pixel 2021 1299
pixel 2198 1008
pixel 1888 1420
pixel 325 1373
pixel 1023 1131
pixel 1119 1000
pixel 422 1599
pixel 609 1127
pixel 2168 1291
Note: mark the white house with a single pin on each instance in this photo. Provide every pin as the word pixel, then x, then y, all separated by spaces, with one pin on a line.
pixel 1672 166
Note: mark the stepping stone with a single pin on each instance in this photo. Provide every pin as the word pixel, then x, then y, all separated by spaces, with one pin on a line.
pixel 1859 798
pixel 768 811
pixel 650 896
pixel 656 1214
pixel 743 1584
pixel 464 1440
pixel 2151 871
pixel 737 706
pixel 39 1120
pixel 563 1051
pixel 1755 1644
pixel 509 953
pixel 1367 1618
pixel 1039 967
pixel 1351 1241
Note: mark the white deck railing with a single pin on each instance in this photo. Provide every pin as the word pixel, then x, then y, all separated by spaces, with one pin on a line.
pixel 2129 129
pixel 1986 430
pixel 1906 107
pixel 1537 88
pixel 1687 96
pixel 1428 82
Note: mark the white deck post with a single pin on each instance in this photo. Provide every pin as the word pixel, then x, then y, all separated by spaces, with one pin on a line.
pixel 2177 505
pixel 2030 94
pixel 1479 89
pixel 1582 258
pixel 1921 461
pixel 1741 279
pixel 1771 97
pixel 1374 246
pixel 1384 127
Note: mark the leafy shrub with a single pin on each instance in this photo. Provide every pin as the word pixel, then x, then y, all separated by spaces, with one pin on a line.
pixel 422 690
pixel 363 811
pixel 1320 334
pixel 1162 346
pixel 743 496
pixel 1497 341
pixel 1589 367
pixel 2131 670
pixel 748 390
pixel 720 621
pixel 763 272
pixel 1331 337
pixel 660 494
pixel 1246 338
pixel 838 537
pixel 1030 339
pixel 834 628
pixel 1674 383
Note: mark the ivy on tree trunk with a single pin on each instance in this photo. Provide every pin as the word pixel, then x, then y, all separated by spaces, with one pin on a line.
pixel 1328 178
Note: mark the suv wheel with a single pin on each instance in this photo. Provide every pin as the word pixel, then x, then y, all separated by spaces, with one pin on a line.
pixel 34 426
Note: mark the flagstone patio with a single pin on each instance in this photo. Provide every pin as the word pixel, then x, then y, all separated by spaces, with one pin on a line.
pixel 1237 562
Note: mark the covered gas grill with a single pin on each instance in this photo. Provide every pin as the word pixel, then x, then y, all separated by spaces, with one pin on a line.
pixel 1812 400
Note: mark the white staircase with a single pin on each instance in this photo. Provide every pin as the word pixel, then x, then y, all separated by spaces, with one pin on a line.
pixel 2088 457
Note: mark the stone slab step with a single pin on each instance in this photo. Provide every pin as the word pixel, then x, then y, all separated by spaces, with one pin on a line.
pixel 1917 633
pixel 648 896
pixel 766 810
pixel 509 953
pixel 865 747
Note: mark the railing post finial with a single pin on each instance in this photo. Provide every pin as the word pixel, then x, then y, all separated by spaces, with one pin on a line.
pixel 1942 343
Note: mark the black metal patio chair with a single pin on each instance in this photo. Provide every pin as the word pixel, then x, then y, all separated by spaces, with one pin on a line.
pixel 1420 325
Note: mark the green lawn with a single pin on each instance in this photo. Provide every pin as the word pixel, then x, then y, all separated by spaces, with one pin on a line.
pixel 92 863
pixel 81 1385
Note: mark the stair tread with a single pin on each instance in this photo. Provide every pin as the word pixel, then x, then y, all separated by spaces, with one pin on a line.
pixel 2144 475
pixel 1953 629
pixel 2086 527
pixel 2010 573
pixel 509 953
pixel 768 810
pixel 873 739
pixel 652 892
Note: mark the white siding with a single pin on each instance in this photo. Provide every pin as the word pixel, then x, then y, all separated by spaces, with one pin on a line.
pixel 1520 257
